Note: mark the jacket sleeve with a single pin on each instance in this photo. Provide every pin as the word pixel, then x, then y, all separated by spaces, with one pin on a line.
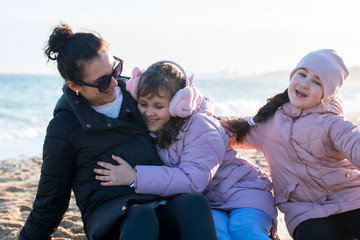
pixel 202 153
pixel 54 189
pixel 254 139
pixel 345 137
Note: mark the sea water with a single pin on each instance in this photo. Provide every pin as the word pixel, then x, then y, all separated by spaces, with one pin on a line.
pixel 27 103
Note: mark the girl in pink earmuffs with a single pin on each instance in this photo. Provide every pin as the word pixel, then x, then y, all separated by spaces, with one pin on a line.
pixel 194 148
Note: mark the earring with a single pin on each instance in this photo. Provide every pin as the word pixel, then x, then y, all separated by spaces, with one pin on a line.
pixel 77 92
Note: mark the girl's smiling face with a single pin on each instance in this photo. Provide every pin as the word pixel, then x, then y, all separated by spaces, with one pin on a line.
pixel 155 110
pixel 305 89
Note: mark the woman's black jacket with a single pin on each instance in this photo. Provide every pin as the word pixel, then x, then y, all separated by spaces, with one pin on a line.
pixel 77 137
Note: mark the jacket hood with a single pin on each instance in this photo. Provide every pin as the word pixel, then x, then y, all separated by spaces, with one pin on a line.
pixel 89 119
pixel 206 106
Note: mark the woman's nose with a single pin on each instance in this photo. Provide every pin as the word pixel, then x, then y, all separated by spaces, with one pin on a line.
pixel 114 82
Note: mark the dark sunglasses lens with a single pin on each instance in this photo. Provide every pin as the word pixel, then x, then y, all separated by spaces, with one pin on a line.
pixel 104 84
pixel 117 71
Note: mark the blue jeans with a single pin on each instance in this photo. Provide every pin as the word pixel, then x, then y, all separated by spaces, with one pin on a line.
pixel 242 223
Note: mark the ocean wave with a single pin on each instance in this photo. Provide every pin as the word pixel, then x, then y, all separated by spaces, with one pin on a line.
pixel 10 130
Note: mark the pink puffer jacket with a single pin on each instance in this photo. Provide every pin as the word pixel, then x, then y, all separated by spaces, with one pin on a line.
pixel 202 162
pixel 314 161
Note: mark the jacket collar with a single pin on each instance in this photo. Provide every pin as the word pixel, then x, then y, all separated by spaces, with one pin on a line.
pixel 333 106
pixel 89 119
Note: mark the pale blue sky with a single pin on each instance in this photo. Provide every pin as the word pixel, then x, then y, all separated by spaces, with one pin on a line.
pixel 205 36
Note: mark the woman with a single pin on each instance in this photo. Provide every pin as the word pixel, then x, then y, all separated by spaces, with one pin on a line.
pixel 94 119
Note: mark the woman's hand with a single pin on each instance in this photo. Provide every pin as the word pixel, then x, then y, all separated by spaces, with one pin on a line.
pixel 122 174
pixel 273 233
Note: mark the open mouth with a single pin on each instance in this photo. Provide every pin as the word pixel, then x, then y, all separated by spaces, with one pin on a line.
pixel 109 91
pixel 300 94
pixel 151 121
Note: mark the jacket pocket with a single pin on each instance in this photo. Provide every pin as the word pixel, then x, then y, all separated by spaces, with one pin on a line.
pixel 283 196
pixel 337 179
pixel 235 176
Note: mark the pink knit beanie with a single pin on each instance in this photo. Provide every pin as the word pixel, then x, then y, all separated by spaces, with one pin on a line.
pixel 328 66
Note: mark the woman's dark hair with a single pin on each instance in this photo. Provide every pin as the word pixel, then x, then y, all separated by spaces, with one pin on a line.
pixel 241 126
pixel 73 50
pixel 167 78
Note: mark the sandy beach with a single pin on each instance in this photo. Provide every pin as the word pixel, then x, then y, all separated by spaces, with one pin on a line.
pixel 18 183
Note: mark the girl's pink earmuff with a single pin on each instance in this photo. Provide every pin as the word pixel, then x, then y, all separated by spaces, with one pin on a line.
pixel 184 102
pixel 133 83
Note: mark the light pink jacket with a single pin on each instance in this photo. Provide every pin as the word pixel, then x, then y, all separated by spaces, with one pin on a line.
pixel 314 161
pixel 203 162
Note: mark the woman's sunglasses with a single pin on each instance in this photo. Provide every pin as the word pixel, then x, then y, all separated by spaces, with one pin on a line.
pixel 104 82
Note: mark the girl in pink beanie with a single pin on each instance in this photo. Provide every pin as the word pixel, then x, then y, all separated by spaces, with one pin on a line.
pixel 196 155
pixel 313 152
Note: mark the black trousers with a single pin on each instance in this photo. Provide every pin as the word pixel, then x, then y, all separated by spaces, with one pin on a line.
pixel 342 226
pixel 185 217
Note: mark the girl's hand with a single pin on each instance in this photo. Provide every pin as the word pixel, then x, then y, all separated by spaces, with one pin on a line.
pixel 122 174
